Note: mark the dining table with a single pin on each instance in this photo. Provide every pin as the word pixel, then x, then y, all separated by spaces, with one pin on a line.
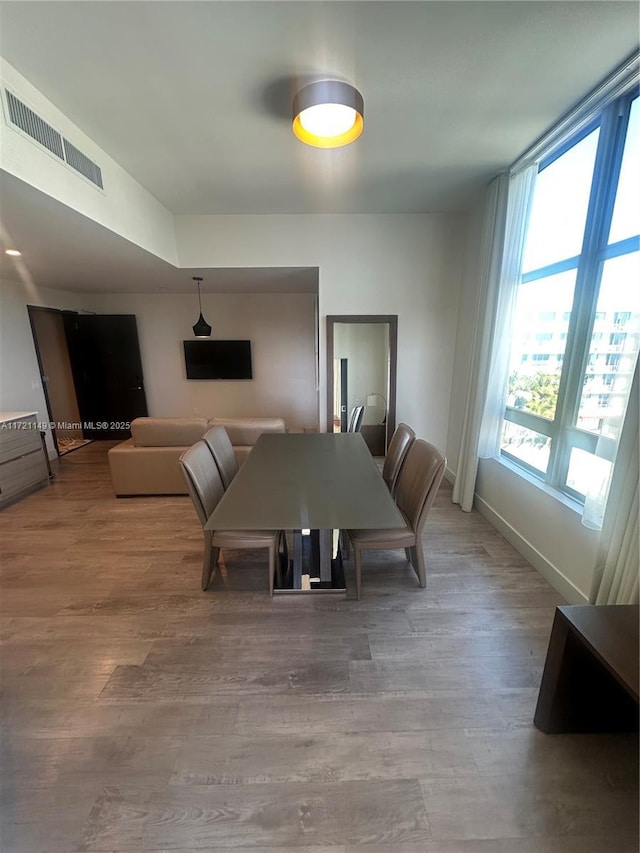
pixel 311 486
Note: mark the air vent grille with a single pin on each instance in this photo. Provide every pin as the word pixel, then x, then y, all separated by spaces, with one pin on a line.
pixel 81 163
pixel 34 126
pixel 21 116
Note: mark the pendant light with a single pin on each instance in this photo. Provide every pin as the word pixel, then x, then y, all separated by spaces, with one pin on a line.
pixel 328 114
pixel 201 329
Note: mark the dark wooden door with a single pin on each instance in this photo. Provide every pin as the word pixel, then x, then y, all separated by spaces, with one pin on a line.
pixel 107 372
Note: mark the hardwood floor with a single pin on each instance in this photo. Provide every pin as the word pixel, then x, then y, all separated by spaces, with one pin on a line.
pixel 140 714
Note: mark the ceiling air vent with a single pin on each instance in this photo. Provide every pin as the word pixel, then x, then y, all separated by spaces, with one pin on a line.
pixel 24 118
pixel 81 163
pixel 34 126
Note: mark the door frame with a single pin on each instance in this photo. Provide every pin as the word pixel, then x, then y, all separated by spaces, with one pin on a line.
pixel 392 321
pixel 31 310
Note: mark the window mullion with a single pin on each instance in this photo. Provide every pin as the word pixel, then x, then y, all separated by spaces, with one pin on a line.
pixel 586 292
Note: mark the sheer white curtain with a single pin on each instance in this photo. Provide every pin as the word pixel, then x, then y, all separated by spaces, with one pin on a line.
pixel 616 577
pixel 601 470
pixel 504 225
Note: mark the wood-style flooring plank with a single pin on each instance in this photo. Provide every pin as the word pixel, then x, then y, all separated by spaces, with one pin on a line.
pixel 517 806
pixel 242 650
pixel 482 711
pixel 181 681
pixel 280 816
pixel 430 675
pixel 541 844
pixel 330 757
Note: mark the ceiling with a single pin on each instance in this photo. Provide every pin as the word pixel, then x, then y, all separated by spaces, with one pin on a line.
pixel 68 251
pixel 193 99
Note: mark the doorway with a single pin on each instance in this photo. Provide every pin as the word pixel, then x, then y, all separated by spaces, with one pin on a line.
pixel 91 374
pixel 361 371
pixel 52 352
pixel 107 373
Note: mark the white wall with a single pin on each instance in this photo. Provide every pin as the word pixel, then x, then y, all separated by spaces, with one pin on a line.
pixel 548 532
pixel 281 330
pixel 20 385
pixel 404 264
pixel 124 206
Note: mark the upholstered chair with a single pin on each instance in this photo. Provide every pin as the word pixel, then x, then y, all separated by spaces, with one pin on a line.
pixel 400 443
pixel 355 420
pixel 206 488
pixel 219 443
pixel 418 484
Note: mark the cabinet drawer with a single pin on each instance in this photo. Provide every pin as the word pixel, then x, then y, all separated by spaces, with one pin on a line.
pixel 15 441
pixel 21 474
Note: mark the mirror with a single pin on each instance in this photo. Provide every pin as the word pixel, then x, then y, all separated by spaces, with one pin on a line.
pixel 361 371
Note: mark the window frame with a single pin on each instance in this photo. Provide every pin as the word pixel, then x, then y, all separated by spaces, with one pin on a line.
pixel 564 434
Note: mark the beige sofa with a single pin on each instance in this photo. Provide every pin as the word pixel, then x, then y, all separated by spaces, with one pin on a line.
pixel 147 463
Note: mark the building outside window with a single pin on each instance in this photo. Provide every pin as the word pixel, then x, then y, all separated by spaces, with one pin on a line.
pixel 576 329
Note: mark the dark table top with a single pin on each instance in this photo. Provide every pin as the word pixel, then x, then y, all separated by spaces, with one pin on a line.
pixel 316 481
pixel 612 633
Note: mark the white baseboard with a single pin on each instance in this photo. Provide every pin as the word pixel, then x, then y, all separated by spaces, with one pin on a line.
pixel 450 476
pixel 548 571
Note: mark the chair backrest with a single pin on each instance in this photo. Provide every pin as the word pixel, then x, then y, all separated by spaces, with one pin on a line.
pixel 419 480
pixel 219 443
pixel 202 478
pixel 400 443
pixel 355 421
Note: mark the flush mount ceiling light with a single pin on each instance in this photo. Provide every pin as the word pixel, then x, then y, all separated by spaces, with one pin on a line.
pixel 201 329
pixel 13 252
pixel 328 114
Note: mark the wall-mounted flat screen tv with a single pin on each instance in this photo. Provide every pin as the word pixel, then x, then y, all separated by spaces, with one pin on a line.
pixel 218 359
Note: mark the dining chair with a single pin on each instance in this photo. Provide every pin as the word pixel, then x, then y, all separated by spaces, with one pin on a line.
pixel 206 488
pixel 418 484
pixel 355 421
pixel 400 443
pixel 219 443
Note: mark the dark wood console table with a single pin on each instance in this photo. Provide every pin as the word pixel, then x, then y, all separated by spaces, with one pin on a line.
pixel 375 436
pixel 590 678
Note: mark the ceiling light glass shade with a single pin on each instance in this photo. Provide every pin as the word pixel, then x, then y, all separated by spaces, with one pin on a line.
pixel 328 119
pixel 328 114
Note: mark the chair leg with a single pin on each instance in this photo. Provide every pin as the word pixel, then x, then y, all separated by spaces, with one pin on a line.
pixel 357 559
pixel 407 552
pixel 209 560
pixel 345 544
pixel 272 566
pixel 418 563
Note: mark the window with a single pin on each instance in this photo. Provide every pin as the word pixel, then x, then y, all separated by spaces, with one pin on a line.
pixel 616 339
pixel 579 293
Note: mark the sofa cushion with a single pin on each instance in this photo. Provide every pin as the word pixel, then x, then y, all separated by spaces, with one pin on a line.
pixel 167 432
pixel 146 470
pixel 246 431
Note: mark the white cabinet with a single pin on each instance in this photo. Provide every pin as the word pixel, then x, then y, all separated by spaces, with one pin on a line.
pixel 23 465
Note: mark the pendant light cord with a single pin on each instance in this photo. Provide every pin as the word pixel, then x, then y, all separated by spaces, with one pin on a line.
pixel 197 280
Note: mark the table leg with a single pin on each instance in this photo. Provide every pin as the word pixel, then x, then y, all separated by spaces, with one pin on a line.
pixel 326 553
